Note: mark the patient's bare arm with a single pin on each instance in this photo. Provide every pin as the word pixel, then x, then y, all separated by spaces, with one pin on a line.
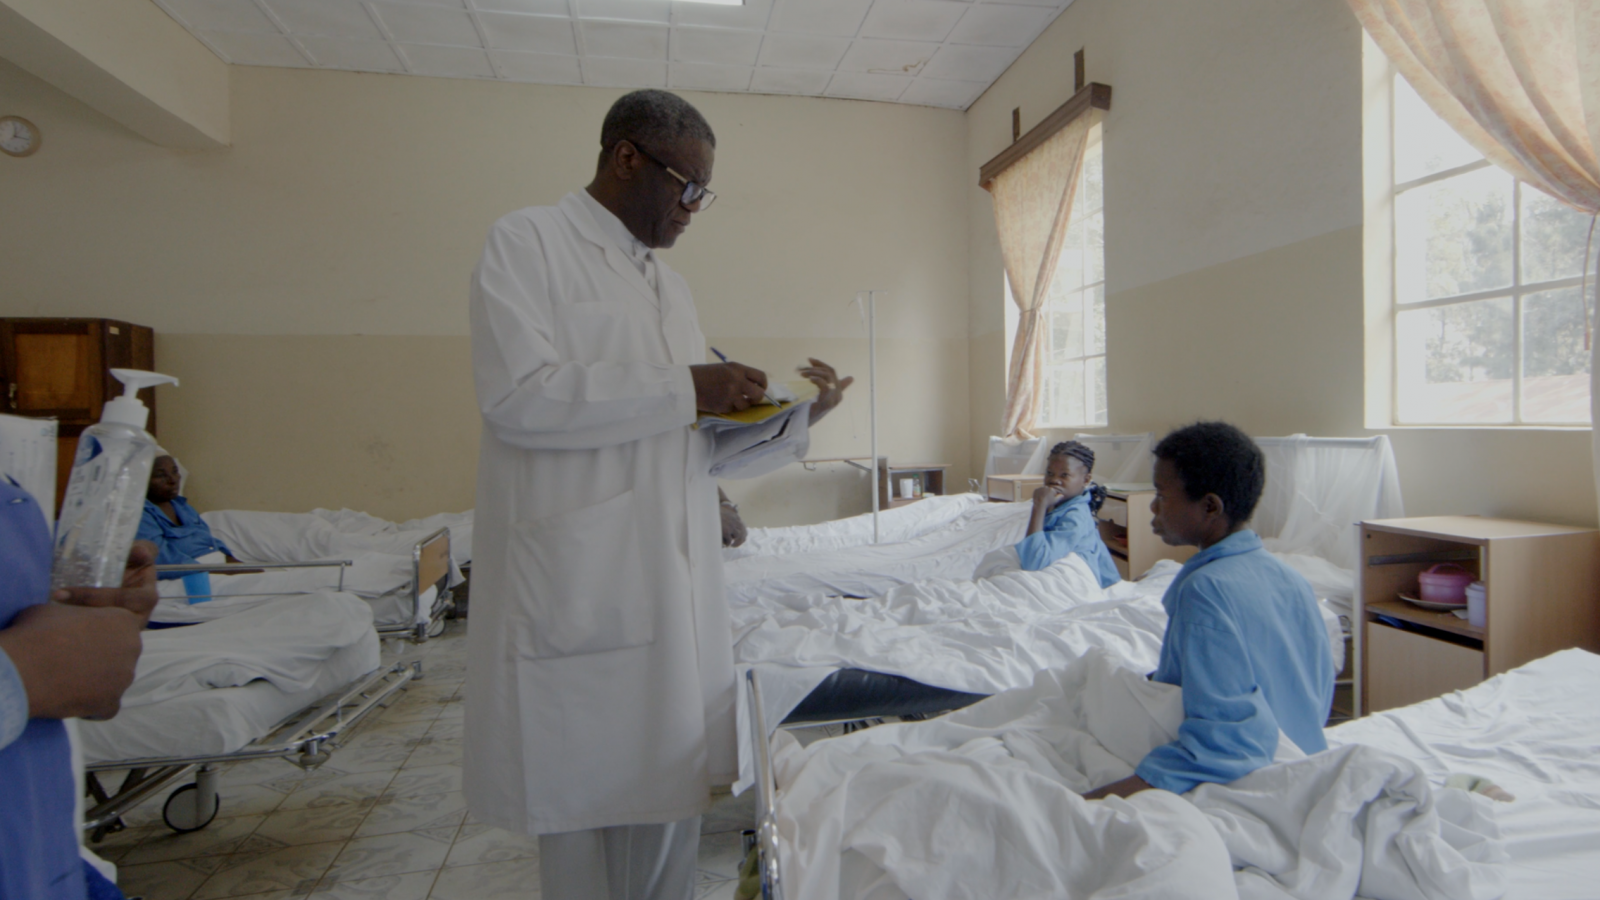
pixel 1127 787
pixel 733 530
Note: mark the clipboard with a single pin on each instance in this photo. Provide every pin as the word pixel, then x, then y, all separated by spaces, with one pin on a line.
pixel 804 392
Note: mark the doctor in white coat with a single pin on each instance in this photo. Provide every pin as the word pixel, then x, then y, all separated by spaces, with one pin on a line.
pixel 600 698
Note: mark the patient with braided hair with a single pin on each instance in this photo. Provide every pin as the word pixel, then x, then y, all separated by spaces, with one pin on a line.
pixel 1063 519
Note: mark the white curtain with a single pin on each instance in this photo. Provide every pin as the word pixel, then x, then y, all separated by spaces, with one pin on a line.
pixel 1519 80
pixel 1032 206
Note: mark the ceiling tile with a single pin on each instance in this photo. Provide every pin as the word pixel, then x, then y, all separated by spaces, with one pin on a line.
pixel 332 18
pixel 535 34
pixel 864 86
pixel 255 49
pixel 1053 4
pixel 836 17
pixel 697 77
pixel 428 25
pixel 541 7
pixel 799 51
pixel 542 68
pixel 703 45
pixel 623 39
pixel 912 20
pixel 1004 26
pixel 449 62
pixel 926 91
pixel 887 57
pixel 221 15
pixel 360 56
pixel 626 10
pixel 628 73
pixel 790 81
pixel 453 4
pixel 970 63
pixel 752 15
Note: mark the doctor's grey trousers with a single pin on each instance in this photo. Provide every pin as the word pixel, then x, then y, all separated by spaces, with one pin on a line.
pixel 623 862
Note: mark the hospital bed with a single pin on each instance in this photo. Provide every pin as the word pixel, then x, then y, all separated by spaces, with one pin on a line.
pixel 410 598
pixel 288 679
pixel 1531 731
pixel 791 616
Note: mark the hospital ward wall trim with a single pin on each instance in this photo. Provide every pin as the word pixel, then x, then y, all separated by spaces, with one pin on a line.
pixel 310 282
pixel 1234 243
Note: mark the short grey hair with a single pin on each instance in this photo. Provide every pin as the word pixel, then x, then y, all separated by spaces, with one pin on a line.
pixel 654 119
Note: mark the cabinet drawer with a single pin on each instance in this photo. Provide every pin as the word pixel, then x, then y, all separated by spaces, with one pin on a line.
pixel 1404 667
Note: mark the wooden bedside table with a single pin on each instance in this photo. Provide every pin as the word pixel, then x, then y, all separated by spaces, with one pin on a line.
pixel 1124 523
pixel 1543 595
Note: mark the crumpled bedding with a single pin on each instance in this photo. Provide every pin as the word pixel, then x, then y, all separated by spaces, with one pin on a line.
pixel 257 536
pixel 951 550
pixel 985 802
pixel 894 526
pixel 284 641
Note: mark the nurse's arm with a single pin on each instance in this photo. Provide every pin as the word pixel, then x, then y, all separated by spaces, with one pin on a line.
pixel 532 398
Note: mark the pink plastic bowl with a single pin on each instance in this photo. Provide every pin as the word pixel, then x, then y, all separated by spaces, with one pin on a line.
pixel 1441 585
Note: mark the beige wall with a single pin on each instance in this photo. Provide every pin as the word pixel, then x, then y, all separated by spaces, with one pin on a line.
pixel 1234 259
pixel 309 283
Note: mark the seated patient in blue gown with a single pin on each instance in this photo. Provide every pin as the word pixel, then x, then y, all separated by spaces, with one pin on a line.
pixel 1244 637
pixel 169 522
pixel 1063 515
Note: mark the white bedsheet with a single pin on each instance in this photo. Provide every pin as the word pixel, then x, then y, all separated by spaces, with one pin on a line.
pixel 951 550
pixel 275 537
pixel 985 803
pixel 218 721
pixel 1535 731
pixel 894 526
pixel 284 642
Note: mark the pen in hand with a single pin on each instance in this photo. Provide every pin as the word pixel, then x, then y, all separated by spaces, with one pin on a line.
pixel 766 396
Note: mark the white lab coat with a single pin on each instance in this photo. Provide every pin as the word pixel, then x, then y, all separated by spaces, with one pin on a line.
pixel 601 689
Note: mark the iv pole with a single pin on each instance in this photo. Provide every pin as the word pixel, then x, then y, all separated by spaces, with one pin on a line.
pixel 872 394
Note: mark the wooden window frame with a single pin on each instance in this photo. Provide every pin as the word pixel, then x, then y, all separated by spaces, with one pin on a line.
pixel 1093 95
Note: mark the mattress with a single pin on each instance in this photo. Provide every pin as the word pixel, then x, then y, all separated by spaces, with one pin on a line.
pixel 221 720
pixel 1535 731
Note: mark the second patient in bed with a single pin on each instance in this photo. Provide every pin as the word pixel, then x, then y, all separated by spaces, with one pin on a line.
pixel 169 522
pixel 1063 515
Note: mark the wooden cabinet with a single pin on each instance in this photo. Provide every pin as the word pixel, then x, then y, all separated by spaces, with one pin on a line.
pixel 1124 522
pixel 61 369
pixel 1543 585
pixel 927 480
pixel 1012 488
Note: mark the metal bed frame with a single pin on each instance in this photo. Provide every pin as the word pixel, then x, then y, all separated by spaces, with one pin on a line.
pixel 430 567
pixel 306 738
pixel 769 865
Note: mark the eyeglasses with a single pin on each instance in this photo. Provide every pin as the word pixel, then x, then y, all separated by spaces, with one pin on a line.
pixel 693 191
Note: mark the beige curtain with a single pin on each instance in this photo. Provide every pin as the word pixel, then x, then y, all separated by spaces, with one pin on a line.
pixel 1032 205
pixel 1519 80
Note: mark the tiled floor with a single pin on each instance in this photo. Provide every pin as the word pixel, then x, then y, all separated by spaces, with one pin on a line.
pixel 384 819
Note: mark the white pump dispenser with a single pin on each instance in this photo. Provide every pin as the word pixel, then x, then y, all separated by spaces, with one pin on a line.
pixel 105 496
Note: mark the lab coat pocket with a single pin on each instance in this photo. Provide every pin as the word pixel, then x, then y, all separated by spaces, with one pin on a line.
pixel 579 580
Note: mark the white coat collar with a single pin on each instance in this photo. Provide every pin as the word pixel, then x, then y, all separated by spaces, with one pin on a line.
pixel 577 210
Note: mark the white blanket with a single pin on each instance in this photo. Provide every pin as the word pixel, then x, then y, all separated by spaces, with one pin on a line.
pixel 275 537
pixel 284 641
pixel 894 526
pixel 985 803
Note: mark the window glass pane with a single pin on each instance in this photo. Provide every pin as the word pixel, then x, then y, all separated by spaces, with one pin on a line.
pixel 1454 236
pixel 1094 249
pixel 1555 364
pixel 1454 363
pixel 1097 396
pixel 1066 330
pixel 1423 143
pixel 1095 336
pixel 1554 237
pixel 1069 267
pixel 1092 187
pixel 1069 387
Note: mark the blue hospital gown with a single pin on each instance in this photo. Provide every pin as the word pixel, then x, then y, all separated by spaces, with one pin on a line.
pixel 1069 528
pixel 1246 642
pixel 184 542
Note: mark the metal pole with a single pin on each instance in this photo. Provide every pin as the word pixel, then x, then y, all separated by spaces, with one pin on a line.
pixel 872 395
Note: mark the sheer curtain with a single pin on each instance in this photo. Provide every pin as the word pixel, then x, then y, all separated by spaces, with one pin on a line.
pixel 1032 205
pixel 1519 80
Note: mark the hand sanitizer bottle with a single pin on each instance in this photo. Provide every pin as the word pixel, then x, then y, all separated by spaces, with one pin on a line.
pixel 105 496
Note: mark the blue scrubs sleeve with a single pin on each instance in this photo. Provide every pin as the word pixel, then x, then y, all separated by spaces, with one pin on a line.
pixel 1228 729
pixel 1063 536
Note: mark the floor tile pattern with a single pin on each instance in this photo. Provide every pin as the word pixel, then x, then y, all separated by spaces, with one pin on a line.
pixel 384 819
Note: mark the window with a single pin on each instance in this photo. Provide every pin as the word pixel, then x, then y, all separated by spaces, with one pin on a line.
pixel 1075 310
pixel 1489 319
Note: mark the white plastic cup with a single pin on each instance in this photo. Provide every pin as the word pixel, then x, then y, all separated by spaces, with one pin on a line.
pixel 908 487
pixel 1477 604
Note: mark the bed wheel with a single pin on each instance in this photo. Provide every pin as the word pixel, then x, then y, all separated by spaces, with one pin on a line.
pixel 182 812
